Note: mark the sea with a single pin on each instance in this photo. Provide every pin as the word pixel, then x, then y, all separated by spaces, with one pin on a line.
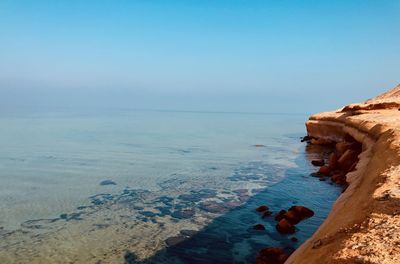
pixel 153 186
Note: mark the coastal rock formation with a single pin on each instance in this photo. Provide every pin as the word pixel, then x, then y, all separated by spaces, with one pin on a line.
pixel 288 219
pixel 364 224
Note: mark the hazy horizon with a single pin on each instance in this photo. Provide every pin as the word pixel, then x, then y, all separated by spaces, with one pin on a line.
pixel 258 56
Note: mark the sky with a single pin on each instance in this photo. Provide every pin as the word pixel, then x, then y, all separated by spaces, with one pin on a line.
pixel 206 55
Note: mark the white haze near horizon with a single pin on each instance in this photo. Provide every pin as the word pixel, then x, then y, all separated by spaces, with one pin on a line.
pixel 240 56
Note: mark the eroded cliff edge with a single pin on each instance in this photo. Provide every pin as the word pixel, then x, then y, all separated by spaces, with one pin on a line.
pixel 364 224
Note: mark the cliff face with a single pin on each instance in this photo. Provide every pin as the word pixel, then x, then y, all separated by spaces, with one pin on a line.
pixel 364 224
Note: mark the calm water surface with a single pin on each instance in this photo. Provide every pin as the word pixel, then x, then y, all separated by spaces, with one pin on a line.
pixel 150 186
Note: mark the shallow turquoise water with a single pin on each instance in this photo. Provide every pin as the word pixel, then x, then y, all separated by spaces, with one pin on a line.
pixel 70 171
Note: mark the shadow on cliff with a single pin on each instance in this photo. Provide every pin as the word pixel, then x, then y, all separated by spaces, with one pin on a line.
pixel 230 238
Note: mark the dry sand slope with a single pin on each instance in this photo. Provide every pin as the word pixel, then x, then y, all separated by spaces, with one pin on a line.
pixel 364 224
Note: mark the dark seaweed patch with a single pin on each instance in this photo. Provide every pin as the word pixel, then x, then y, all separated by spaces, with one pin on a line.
pixel 107 182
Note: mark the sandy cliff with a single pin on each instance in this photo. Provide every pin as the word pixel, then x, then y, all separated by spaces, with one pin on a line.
pixel 364 224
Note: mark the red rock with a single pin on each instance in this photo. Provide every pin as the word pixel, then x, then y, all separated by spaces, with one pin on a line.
pixel 280 215
pixel 271 251
pixel 324 170
pixel 333 161
pixel 341 147
pixel 262 208
pixel 293 217
pixel 282 258
pixel 285 227
pixel 271 256
pixel 259 227
pixel 302 211
pixel 319 162
pixel 348 158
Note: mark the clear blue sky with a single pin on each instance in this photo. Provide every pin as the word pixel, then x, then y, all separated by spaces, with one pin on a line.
pixel 233 55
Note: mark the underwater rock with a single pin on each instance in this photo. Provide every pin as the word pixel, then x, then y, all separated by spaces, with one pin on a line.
pixel 164 210
pixel 197 196
pixel 188 232
pixel 165 200
pixel 212 207
pixel 183 214
pixel 271 255
pixel 172 241
pixel 241 191
pixel 259 227
pixel 262 208
pixel 107 182
pixel 244 197
pixel 266 214
pixel 231 204
pixel 148 214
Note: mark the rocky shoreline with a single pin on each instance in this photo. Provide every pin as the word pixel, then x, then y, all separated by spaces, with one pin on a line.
pixel 364 224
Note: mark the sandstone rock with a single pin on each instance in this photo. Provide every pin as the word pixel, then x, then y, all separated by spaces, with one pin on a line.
pixel 262 208
pixel 319 162
pixel 353 167
pixel 321 141
pixel 342 147
pixel 317 243
pixel 285 227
